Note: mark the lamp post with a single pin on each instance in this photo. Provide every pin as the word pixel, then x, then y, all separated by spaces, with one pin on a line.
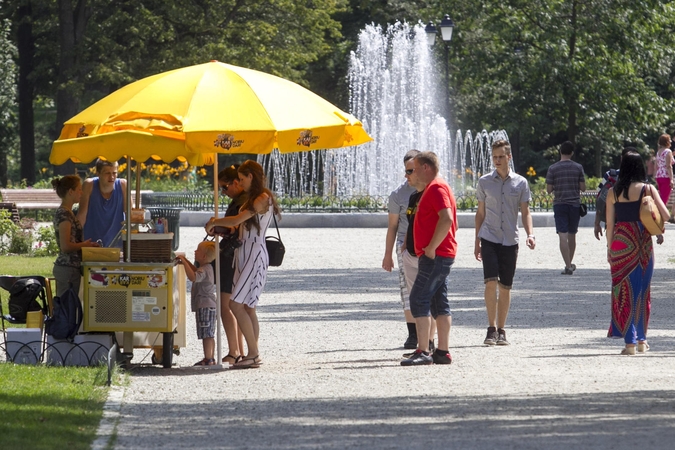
pixel 446 26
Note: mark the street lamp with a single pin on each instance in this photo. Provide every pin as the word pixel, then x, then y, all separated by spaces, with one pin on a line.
pixel 446 26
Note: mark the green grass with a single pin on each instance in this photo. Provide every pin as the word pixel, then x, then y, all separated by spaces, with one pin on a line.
pixel 45 407
pixel 50 407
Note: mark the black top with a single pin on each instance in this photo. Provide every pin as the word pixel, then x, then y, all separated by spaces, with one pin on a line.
pixel 628 211
pixel 410 214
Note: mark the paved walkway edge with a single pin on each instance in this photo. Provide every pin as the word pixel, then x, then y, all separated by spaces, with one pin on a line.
pixel 111 414
pixel 366 220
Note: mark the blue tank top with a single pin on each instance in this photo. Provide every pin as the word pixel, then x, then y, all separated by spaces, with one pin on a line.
pixel 104 216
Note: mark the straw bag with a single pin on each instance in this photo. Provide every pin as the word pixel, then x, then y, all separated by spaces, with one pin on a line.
pixel 650 216
pixel 275 248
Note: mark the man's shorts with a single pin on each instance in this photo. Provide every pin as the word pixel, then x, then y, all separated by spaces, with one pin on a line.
pixel 499 262
pixel 206 322
pixel 566 218
pixel 405 292
pixel 410 267
pixel 429 294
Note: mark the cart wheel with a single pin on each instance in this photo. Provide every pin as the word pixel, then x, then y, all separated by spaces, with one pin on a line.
pixel 167 346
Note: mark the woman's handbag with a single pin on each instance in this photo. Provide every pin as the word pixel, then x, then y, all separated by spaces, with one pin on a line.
pixel 650 216
pixel 275 248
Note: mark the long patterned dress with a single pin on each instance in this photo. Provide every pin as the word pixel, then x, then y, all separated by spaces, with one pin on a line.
pixel 252 260
pixel 631 258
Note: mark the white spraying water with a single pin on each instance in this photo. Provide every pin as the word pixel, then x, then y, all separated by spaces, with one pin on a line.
pixel 396 92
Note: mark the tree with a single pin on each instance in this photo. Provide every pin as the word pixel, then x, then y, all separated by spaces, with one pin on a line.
pixel 8 117
pixel 556 70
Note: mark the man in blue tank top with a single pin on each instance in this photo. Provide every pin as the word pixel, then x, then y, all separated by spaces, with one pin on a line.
pixel 102 208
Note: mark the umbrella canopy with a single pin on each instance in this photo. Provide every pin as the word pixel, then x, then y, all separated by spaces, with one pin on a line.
pixel 139 145
pixel 216 107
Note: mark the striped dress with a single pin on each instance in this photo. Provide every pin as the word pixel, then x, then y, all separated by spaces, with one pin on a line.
pixel 252 261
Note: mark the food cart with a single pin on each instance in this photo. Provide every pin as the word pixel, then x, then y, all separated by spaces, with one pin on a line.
pixel 143 300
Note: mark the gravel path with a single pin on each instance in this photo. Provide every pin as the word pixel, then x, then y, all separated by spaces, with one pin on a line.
pixel 331 337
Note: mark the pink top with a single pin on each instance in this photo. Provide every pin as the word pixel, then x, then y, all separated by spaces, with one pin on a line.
pixel 661 157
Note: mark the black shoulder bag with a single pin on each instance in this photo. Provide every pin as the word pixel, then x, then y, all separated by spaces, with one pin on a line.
pixel 275 248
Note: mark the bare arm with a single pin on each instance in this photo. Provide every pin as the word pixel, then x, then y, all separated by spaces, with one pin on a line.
pixel 480 217
pixel 442 227
pixel 610 214
pixel 123 184
pixel 527 223
pixel 392 228
pixel 190 268
pixel 65 244
pixel 549 188
pixel 260 205
pixel 84 201
pixel 582 186
pixel 663 209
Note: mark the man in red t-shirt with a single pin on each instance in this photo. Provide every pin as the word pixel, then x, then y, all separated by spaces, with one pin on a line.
pixel 434 231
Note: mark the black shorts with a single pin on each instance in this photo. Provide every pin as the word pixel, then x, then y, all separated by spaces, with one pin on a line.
pixel 499 262
pixel 226 273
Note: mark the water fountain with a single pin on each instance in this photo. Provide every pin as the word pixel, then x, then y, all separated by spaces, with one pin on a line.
pixel 395 92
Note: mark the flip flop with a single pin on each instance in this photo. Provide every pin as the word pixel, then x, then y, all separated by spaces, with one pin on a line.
pixel 206 362
pixel 248 363
pixel 236 359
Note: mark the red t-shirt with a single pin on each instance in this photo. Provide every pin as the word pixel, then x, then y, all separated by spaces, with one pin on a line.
pixel 437 196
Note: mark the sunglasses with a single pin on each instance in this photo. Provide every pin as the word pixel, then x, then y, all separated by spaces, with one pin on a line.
pixel 225 187
pixel 409 171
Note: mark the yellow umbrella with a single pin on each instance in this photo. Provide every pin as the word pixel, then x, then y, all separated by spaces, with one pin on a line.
pixel 216 107
pixel 139 145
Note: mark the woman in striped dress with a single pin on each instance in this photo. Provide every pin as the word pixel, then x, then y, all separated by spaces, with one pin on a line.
pixel 251 259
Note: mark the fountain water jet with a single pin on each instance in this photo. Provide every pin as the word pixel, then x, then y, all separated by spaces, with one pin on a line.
pixel 394 91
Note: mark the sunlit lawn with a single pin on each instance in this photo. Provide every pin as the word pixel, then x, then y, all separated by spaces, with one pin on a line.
pixel 47 407
pixel 50 407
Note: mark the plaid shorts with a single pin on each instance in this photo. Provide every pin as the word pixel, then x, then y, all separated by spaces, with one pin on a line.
pixel 206 322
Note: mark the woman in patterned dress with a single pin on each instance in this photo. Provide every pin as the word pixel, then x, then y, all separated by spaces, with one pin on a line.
pixel 630 254
pixel 68 235
pixel 251 259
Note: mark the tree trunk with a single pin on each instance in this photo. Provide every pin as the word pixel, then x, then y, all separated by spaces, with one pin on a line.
pixel 72 23
pixel 26 48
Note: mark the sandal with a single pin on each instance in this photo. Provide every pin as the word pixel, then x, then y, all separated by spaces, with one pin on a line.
pixel 206 362
pixel 236 359
pixel 248 363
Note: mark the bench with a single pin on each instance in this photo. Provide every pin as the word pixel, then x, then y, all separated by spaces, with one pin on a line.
pixel 31 198
pixel 37 198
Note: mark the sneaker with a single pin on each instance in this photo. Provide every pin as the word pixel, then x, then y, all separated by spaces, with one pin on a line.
pixel 441 359
pixel 410 343
pixel 501 340
pixel 419 358
pixel 432 348
pixel 492 336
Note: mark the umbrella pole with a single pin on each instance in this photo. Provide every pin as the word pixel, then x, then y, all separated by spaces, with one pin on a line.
pixel 127 216
pixel 137 203
pixel 219 349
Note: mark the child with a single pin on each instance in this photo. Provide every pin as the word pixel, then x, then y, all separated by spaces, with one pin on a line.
pixel 203 297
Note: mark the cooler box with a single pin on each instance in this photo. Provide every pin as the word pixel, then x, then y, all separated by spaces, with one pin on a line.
pixel 24 345
pixel 85 350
